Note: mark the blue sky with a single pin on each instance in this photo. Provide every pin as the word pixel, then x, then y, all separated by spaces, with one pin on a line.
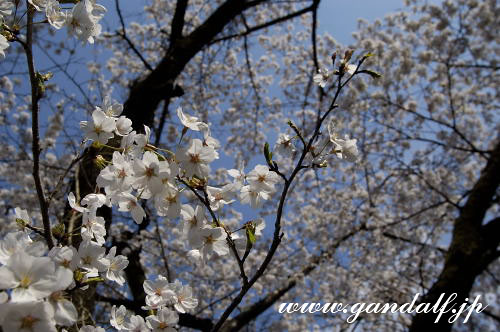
pixel 340 17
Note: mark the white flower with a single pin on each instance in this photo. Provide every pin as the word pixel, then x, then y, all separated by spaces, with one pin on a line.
pixel 118 176
pixel 55 16
pixel 168 173
pixel 253 196
pixel 142 139
pixel 208 140
pixel 123 126
pixel 101 128
pixel 4 44
pixel 128 202
pixel 168 202
pixel 118 317
pixel 94 201
pixel 210 240
pixel 351 68
pixel 194 220
pixel 348 148
pixel 63 255
pixel 164 320
pixel 220 196
pixel 164 174
pixel 158 292
pixel 83 20
pixel 90 328
pixel 147 171
pixel 93 227
pixel 262 178
pixel 5 8
pixel 74 205
pixel 64 310
pixel 32 278
pixel 259 226
pixel 284 145
pixel 321 78
pixel 38 4
pixel 239 177
pixel 190 122
pixel 195 159
pixel 183 299
pixel 130 149
pixel 19 241
pixel 344 148
pixel 136 324
pixel 111 110
pixel 29 316
pixel 89 257
pixel 115 266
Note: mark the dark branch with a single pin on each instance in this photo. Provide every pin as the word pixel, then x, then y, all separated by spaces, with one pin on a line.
pixel 472 249
pixel 123 34
pixel 266 25
pixel 178 21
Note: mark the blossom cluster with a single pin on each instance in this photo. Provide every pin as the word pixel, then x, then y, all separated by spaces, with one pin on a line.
pixel 161 295
pixel 82 20
pixel 139 171
pixel 37 280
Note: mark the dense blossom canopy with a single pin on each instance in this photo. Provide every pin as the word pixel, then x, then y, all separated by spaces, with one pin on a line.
pixel 217 158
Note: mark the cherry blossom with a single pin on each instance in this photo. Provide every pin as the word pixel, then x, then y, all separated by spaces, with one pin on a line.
pixel 83 21
pixel 19 241
pixel 195 159
pixel 321 78
pixel 163 321
pixel 137 323
pixel 183 298
pixel 118 317
pixel 254 196
pixel 31 316
pixel 101 128
pixel 190 122
pixel 115 266
pixel 32 278
pixel 65 313
pixel 194 219
pixel 55 16
pixel 128 202
pixel 261 178
pixel 158 292
pixel 93 228
pixel 5 8
pixel 209 241
pixel 4 44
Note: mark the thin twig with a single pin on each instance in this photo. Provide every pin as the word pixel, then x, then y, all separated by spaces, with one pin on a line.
pixel 35 97
pixel 206 202
pixel 62 177
pixel 278 235
pixel 264 25
pixel 163 254
pixel 123 34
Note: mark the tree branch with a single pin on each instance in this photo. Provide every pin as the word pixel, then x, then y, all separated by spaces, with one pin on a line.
pixel 267 24
pixel 125 37
pixel 159 84
pixel 252 312
pixel 472 248
pixel 178 21
pixel 36 94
